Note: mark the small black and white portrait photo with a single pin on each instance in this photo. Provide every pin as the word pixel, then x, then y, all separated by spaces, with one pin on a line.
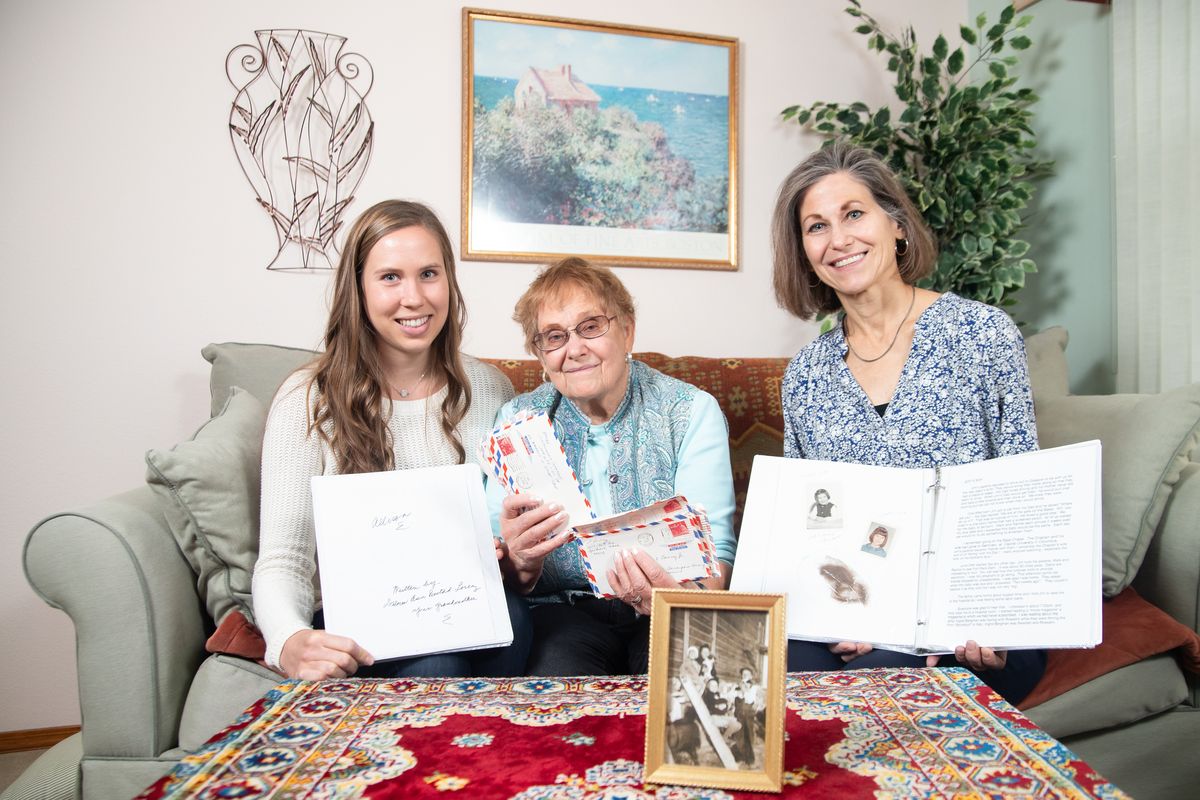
pixel 824 507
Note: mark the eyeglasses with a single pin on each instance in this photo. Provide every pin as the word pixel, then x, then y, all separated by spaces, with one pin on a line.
pixel 590 328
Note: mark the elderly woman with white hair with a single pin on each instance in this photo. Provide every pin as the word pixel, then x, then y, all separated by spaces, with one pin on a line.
pixel 634 436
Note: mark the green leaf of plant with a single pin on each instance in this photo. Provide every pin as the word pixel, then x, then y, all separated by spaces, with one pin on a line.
pixel 931 88
pixel 956 62
pixel 863 29
pixel 998 69
pixel 995 32
pixel 804 116
pixel 981 20
pixel 1006 16
pixel 967 34
pixel 940 48
pixel 1020 42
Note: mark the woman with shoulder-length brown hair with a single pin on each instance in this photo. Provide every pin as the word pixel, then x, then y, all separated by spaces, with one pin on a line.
pixel 633 436
pixel 391 391
pixel 907 378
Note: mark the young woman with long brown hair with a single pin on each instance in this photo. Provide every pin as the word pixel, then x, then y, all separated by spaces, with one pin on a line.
pixel 391 391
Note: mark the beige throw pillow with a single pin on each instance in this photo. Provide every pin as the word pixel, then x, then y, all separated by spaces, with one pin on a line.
pixel 257 368
pixel 1147 440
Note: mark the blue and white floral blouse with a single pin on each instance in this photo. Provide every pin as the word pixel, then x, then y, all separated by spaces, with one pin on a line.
pixel 963 395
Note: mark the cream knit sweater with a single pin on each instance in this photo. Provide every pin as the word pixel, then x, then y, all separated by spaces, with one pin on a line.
pixel 285 587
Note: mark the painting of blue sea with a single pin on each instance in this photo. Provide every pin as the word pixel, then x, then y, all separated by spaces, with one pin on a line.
pixel 589 140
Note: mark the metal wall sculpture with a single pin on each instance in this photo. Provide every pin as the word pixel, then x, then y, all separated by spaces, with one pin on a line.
pixel 303 136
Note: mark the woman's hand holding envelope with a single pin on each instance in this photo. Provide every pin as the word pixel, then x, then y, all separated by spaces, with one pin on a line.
pixel 635 575
pixel 528 527
pixel 314 655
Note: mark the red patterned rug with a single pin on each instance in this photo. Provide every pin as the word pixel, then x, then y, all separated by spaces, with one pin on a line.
pixel 867 733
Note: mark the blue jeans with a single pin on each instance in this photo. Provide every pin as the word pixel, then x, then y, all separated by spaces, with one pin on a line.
pixel 1021 672
pixel 494 662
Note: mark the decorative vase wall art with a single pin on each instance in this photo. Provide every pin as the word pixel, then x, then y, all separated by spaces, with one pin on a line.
pixel 303 136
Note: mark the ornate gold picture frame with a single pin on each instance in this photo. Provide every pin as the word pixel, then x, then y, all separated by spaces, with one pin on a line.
pixel 716 705
pixel 612 142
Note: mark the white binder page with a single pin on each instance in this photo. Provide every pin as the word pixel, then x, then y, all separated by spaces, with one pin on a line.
pixel 407 563
pixel 1018 564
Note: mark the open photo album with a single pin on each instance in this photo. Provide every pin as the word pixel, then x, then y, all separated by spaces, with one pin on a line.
pixel 1006 552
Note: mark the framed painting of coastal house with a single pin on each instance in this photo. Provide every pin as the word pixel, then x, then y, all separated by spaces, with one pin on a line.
pixel 611 142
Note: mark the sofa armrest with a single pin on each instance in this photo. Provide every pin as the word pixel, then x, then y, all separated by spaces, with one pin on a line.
pixel 115 569
pixel 1170 574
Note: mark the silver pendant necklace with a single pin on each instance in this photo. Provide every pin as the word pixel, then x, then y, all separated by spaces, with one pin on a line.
pixel 850 347
pixel 404 393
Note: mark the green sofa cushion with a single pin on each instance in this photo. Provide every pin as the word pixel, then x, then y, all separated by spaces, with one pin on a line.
pixel 1147 441
pixel 210 487
pixel 257 368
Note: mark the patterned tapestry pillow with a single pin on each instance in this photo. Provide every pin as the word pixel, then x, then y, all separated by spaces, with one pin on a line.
pixel 1147 441
pixel 209 487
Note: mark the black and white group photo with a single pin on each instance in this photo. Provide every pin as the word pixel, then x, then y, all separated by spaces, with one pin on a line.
pixel 717 671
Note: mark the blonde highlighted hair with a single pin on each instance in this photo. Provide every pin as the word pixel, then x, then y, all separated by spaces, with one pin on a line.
pixel 349 377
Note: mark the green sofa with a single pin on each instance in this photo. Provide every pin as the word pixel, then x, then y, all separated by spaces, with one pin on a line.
pixel 144 573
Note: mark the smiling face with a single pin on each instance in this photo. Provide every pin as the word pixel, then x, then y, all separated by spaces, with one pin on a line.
pixel 592 373
pixel 406 294
pixel 849 240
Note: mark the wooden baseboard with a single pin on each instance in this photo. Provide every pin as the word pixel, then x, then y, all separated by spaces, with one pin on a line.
pixel 35 738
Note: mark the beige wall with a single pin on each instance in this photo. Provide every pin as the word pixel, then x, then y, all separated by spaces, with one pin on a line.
pixel 130 238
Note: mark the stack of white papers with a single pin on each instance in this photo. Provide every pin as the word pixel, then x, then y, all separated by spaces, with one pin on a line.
pixel 407 563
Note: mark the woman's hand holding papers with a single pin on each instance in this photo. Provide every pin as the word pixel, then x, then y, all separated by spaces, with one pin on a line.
pixel 850 650
pixel 527 527
pixel 314 655
pixel 976 657
pixel 971 654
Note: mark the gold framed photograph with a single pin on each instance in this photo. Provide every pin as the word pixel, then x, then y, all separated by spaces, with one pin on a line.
pixel 716 696
pixel 613 142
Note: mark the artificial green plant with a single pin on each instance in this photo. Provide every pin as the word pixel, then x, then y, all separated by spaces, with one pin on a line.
pixel 962 145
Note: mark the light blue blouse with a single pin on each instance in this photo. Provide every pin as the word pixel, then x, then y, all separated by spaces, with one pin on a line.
pixel 704 475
